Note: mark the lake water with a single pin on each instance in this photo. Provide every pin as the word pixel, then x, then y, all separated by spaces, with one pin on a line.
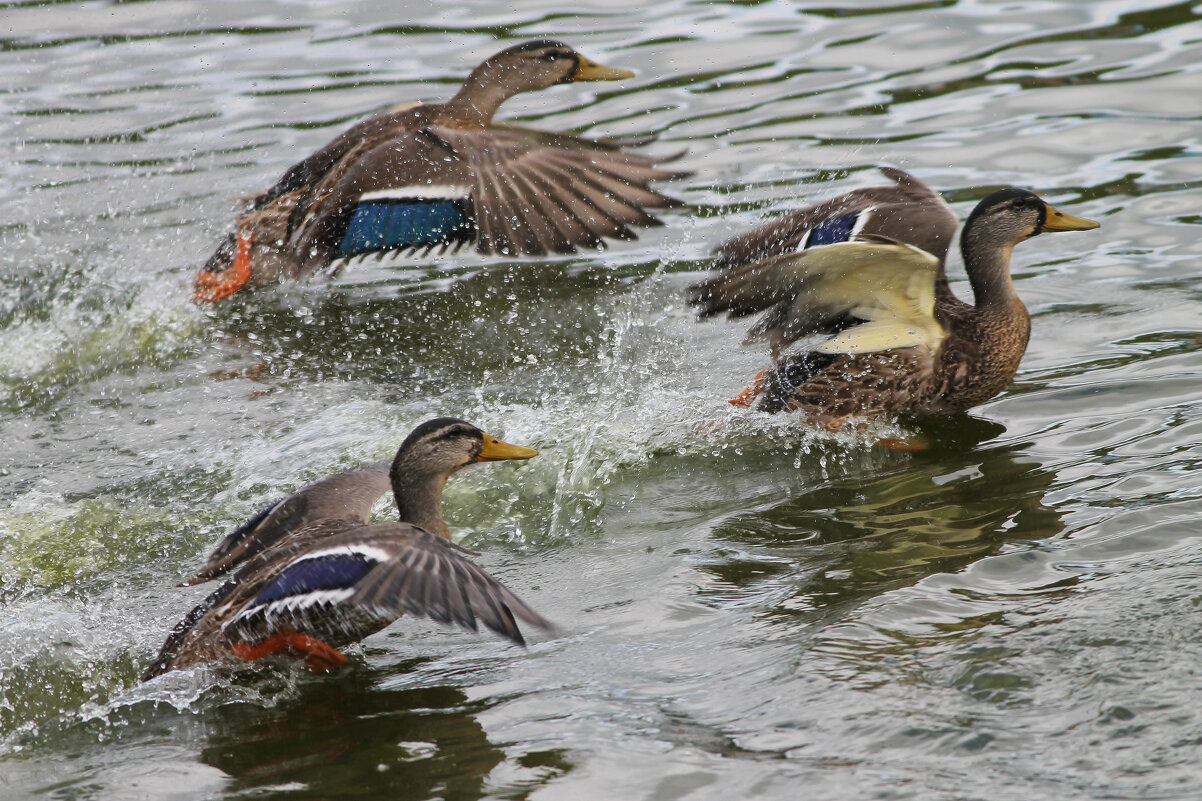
pixel 745 609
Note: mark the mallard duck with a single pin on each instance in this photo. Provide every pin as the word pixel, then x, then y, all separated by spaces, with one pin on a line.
pixel 321 577
pixel 867 269
pixel 441 175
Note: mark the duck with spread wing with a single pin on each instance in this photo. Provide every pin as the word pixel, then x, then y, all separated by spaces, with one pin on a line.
pixel 312 575
pixel 866 270
pixel 441 175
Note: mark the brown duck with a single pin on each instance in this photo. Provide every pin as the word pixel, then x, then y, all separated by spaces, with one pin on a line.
pixel 313 575
pixel 439 175
pixel 867 270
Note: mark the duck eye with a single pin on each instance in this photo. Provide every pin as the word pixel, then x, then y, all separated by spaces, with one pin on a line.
pixel 1021 203
pixel 552 56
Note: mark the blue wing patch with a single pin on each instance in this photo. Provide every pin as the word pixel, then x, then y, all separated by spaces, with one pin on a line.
pixel 398 223
pixel 830 231
pixel 332 572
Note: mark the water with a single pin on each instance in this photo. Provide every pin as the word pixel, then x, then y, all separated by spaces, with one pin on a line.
pixel 745 609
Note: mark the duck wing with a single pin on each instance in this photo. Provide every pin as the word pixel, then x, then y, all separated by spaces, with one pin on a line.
pixel 507 189
pixel 331 160
pixel 178 637
pixel 906 210
pixel 345 496
pixel 347 581
pixel 882 291
pixel 537 192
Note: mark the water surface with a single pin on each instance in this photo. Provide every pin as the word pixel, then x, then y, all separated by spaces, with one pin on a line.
pixel 745 609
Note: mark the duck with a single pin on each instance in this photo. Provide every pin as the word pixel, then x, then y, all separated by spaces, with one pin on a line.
pixel 310 575
pixel 441 175
pixel 867 270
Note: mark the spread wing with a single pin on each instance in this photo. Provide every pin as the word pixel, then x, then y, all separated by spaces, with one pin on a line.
pixel 770 268
pixel 906 210
pixel 346 496
pixel 535 192
pixel 885 291
pixel 340 587
pixel 506 189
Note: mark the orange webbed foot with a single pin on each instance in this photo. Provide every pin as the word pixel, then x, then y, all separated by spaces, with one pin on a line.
pixel 210 286
pixel 748 396
pixel 319 657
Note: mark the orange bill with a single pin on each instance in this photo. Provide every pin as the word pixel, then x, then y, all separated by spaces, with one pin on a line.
pixel 1060 221
pixel 592 71
pixel 494 450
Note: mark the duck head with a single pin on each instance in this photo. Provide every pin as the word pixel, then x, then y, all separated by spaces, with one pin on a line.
pixel 998 223
pixel 526 67
pixel 432 453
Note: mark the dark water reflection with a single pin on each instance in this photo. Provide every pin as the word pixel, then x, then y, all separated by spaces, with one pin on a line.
pixel 349 738
pixel 856 537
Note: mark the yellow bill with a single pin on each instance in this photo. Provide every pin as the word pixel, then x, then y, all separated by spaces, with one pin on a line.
pixel 592 71
pixel 495 450
pixel 1059 221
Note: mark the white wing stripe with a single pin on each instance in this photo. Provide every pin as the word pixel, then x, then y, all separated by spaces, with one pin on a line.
pixel 418 192
pixel 861 221
pixel 367 551
pixel 291 604
pixel 805 240
pixel 313 597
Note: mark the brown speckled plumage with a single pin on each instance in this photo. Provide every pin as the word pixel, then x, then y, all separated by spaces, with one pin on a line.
pixel 977 360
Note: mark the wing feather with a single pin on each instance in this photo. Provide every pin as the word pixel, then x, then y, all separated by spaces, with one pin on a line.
pixel 613 196
pixel 599 190
pixel 345 496
pixel 394 569
pixel 490 235
pixel 627 182
pixel 562 216
pixel 542 215
pixel 520 212
pixel 906 210
pixel 604 215
pixel 590 226
pixel 557 227
pixel 886 291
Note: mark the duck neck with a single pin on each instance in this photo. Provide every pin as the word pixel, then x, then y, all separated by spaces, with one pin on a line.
pixel 479 98
pixel 419 498
pixel 988 267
